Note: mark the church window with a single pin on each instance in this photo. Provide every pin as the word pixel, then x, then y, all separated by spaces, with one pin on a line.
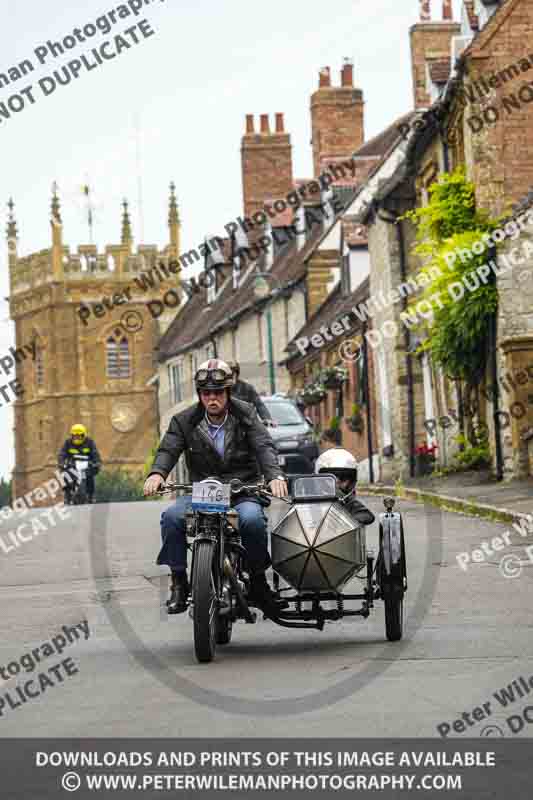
pixel 118 355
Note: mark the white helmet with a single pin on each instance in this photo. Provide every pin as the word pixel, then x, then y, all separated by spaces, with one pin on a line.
pixel 338 462
pixel 213 374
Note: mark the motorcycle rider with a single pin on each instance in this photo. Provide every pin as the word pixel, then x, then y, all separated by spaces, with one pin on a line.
pixel 243 390
pixel 341 463
pixel 221 437
pixel 79 444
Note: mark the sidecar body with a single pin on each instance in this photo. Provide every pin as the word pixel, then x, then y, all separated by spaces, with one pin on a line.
pixel 318 547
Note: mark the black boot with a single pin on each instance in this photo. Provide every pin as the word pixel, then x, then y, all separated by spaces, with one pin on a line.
pixel 179 593
pixel 262 596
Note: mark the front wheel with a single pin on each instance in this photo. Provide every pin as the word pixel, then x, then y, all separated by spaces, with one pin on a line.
pixel 205 611
pixel 393 598
pixel 224 628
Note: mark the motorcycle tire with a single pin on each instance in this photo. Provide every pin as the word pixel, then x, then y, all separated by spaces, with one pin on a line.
pixel 393 598
pixel 205 609
pixel 224 629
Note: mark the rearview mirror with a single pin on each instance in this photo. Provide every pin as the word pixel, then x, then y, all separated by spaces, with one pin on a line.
pixel 310 421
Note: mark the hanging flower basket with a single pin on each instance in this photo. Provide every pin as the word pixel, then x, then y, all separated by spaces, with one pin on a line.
pixel 313 394
pixel 333 433
pixel 355 422
pixel 334 377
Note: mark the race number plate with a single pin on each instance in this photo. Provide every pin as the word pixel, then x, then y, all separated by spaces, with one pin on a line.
pixel 211 496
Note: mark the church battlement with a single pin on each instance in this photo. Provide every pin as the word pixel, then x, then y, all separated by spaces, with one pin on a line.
pixel 100 374
pixel 58 264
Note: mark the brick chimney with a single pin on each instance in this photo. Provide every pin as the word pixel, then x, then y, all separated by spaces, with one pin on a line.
pixel 430 41
pixel 266 163
pixel 337 122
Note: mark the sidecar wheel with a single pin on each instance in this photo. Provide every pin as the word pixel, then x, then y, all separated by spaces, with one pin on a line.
pixel 224 629
pixel 205 610
pixel 393 598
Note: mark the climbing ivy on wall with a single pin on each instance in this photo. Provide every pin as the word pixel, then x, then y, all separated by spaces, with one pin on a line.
pixel 456 335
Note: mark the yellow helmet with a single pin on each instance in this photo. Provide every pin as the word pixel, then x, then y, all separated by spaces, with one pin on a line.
pixel 78 433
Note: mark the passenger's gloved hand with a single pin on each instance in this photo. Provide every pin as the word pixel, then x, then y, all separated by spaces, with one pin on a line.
pixel 278 487
pixel 152 484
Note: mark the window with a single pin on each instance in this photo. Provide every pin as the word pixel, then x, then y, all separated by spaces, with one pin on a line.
pixel 118 355
pixel 39 367
pixel 175 381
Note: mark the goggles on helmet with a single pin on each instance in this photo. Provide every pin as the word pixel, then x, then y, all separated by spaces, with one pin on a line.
pixel 211 376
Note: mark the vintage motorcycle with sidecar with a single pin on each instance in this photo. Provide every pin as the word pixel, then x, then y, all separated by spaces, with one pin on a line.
pixel 316 548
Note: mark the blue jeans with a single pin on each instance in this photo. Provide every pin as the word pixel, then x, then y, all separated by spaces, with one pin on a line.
pixel 252 528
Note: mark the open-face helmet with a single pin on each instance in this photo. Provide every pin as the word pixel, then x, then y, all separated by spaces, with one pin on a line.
pixel 338 462
pixel 213 374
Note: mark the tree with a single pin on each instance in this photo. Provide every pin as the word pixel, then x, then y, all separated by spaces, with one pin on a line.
pixel 5 492
pixel 118 486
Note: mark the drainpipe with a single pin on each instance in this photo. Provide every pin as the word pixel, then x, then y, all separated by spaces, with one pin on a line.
pixel 366 394
pixel 493 339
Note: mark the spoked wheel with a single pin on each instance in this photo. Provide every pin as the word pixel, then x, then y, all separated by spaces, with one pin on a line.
pixel 205 610
pixel 393 597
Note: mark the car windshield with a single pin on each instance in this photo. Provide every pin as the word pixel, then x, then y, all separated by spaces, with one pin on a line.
pixel 284 413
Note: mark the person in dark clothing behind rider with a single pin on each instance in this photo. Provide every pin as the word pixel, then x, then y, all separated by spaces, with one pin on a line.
pixel 223 438
pixel 245 391
pixel 79 444
pixel 343 465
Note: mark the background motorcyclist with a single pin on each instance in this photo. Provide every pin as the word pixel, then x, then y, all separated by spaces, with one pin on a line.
pixel 243 390
pixel 221 437
pixel 79 444
pixel 341 463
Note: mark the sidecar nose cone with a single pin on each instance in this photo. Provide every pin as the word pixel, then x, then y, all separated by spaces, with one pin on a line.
pixel 318 546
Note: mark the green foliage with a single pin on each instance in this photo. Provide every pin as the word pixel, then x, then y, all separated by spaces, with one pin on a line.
pixel 457 335
pixel 150 460
pixel 118 486
pixel 355 421
pixel 334 424
pixel 474 456
pixel 5 493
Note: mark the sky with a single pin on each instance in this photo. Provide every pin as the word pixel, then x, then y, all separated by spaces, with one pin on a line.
pixel 173 108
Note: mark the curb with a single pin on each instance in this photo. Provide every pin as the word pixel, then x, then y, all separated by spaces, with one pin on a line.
pixel 446 502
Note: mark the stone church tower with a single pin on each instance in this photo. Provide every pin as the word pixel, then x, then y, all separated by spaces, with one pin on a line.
pixel 95 326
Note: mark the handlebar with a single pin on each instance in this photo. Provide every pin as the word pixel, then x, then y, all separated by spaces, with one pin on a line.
pixel 258 488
